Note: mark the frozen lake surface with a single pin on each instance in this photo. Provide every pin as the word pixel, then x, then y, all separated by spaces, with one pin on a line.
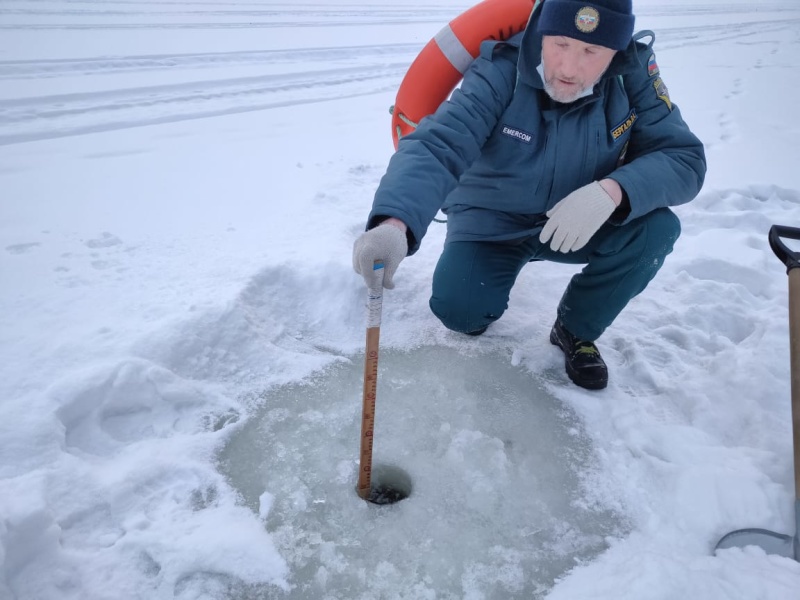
pixel 502 474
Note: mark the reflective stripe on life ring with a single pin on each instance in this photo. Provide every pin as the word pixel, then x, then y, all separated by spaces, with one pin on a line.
pixel 441 64
pixel 454 51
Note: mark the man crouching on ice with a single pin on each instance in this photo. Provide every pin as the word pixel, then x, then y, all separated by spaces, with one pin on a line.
pixel 561 144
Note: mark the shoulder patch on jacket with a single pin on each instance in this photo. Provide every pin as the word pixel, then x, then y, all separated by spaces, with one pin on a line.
pixel 662 92
pixel 652 66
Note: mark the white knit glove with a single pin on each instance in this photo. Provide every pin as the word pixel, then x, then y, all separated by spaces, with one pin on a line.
pixel 386 243
pixel 576 218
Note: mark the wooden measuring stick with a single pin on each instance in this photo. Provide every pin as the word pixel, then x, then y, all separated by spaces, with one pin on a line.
pixel 374 308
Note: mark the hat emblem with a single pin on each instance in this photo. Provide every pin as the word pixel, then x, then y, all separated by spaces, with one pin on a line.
pixel 587 19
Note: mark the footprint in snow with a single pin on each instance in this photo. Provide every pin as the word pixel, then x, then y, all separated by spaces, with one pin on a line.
pixel 22 248
pixel 106 240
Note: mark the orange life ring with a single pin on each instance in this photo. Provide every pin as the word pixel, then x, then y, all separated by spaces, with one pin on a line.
pixel 441 64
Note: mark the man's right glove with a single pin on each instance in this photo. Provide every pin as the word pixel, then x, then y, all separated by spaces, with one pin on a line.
pixel 384 242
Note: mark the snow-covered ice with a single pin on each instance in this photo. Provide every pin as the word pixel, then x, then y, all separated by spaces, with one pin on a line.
pixel 182 335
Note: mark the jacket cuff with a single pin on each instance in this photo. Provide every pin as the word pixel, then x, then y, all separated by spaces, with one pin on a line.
pixel 378 219
pixel 623 211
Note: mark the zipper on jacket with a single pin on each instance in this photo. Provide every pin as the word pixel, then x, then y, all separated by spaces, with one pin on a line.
pixel 549 168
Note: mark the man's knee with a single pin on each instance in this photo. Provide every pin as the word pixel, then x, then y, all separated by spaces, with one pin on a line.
pixel 663 228
pixel 651 236
pixel 471 284
pixel 658 232
pixel 462 312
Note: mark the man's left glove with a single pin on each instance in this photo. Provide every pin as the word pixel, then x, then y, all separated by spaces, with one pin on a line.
pixel 385 242
pixel 576 218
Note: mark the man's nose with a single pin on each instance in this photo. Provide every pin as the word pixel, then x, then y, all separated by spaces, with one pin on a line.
pixel 569 66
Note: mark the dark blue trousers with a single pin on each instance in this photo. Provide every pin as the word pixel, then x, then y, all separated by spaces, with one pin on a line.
pixel 473 280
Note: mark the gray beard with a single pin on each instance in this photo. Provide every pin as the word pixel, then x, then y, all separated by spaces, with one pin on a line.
pixel 550 91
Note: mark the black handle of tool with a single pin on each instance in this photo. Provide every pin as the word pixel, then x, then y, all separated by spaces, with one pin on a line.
pixel 788 258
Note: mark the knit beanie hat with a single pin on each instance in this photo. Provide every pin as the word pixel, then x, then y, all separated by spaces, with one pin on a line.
pixel 606 23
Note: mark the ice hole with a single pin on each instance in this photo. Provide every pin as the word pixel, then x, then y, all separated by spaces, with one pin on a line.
pixel 501 474
pixel 390 484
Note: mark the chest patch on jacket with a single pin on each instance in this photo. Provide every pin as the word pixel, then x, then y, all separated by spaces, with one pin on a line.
pixel 618 131
pixel 518 134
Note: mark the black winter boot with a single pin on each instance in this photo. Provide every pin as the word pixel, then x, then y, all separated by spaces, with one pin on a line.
pixel 582 359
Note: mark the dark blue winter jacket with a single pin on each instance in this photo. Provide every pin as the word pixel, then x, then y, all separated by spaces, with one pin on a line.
pixel 500 152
